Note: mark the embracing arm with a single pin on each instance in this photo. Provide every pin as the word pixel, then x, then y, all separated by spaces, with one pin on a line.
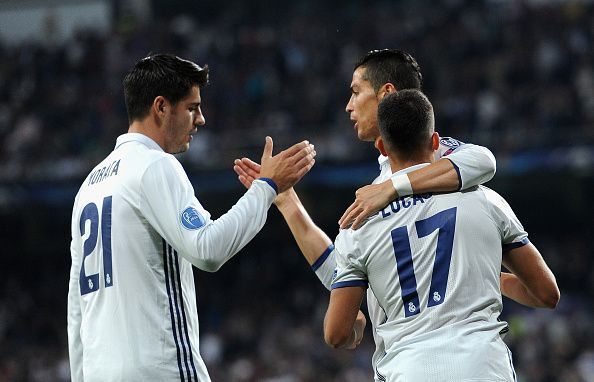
pixel 466 166
pixel 531 282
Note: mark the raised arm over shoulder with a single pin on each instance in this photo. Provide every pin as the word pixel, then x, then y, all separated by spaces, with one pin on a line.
pixel 458 166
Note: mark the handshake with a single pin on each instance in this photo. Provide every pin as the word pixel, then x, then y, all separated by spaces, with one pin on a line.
pixel 285 168
pixel 289 166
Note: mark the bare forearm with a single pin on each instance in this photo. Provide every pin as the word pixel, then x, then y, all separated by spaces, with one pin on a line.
pixel 441 176
pixel 342 343
pixel 512 287
pixel 344 323
pixel 532 278
pixel 312 241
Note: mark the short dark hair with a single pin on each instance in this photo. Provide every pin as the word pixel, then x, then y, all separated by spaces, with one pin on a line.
pixel 391 65
pixel 160 75
pixel 406 121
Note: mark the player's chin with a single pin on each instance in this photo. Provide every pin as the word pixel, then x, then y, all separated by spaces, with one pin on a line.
pixel 365 136
pixel 182 148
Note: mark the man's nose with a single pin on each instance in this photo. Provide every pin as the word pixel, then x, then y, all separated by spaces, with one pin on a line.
pixel 199 120
pixel 349 105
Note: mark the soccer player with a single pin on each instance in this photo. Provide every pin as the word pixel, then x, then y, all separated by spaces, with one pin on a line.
pixel 457 166
pixel 137 229
pixel 433 262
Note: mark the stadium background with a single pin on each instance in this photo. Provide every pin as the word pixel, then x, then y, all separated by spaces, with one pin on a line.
pixel 515 76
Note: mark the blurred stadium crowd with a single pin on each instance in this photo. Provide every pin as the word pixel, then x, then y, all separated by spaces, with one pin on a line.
pixel 515 76
pixel 509 75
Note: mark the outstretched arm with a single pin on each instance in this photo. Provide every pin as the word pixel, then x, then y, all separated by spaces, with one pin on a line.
pixel 312 241
pixel 314 244
pixel 465 166
pixel 171 208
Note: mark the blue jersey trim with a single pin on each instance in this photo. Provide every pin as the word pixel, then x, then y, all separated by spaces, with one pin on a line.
pixel 457 172
pixel 177 310
pixel 318 263
pixel 510 246
pixel 179 321
pixel 349 283
pixel 166 270
pixel 185 321
pixel 271 183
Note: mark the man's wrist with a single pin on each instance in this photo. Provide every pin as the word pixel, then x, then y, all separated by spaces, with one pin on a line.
pixel 285 200
pixel 271 183
pixel 401 184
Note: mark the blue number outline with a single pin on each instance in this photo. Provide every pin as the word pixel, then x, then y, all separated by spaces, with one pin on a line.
pixel 445 223
pixel 90 283
pixel 106 241
pixel 406 271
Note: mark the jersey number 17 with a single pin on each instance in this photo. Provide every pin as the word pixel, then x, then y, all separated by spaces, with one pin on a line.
pixel 445 223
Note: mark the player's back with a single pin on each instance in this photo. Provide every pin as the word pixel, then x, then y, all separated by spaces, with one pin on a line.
pixel 137 298
pixel 433 262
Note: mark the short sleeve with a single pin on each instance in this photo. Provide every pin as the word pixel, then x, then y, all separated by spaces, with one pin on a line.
pixel 474 164
pixel 513 234
pixel 324 266
pixel 350 268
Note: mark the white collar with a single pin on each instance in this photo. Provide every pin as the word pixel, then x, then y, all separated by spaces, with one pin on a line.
pixel 382 159
pixel 137 137
pixel 411 168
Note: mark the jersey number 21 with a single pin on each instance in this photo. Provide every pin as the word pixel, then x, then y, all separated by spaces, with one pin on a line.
pixel 90 283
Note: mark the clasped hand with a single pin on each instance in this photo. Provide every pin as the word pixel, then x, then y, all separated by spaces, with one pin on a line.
pixel 285 168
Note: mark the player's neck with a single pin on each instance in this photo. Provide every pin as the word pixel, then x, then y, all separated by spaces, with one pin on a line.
pixel 397 164
pixel 146 128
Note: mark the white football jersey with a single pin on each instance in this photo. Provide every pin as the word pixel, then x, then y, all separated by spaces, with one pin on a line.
pixel 432 262
pixel 474 164
pixel 137 228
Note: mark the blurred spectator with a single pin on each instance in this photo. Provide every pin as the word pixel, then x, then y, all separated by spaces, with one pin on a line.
pixel 508 75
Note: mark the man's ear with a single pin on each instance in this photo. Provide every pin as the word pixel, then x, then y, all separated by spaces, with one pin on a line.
pixel 434 141
pixel 159 106
pixel 379 144
pixel 386 89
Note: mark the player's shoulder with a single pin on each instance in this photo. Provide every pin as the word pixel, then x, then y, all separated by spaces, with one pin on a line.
pixel 366 233
pixel 141 158
pixel 494 201
pixel 489 194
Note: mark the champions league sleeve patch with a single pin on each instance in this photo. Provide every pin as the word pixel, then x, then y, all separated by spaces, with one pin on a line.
pixel 191 218
pixel 450 142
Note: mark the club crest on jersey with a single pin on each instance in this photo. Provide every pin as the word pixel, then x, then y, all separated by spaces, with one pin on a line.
pixel 191 218
pixel 334 274
pixel 450 142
